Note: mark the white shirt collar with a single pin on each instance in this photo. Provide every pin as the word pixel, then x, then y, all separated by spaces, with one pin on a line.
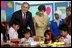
pixel 67 36
pixel 57 20
pixel 13 29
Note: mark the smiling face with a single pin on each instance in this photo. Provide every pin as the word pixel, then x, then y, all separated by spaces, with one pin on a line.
pixel 47 36
pixel 25 7
pixel 56 16
pixel 27 35
pixel 64 33
pixel 16 27
pixel 41 12
pixel 41 9
pixel 68 12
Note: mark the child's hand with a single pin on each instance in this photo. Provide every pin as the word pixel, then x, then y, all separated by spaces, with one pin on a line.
pixel 23 40
pixel 61 39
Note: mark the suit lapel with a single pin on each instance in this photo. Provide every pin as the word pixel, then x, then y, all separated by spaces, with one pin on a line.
pixel 20 16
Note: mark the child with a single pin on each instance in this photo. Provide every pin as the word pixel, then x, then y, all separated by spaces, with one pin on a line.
pixel 48 36
pixel 65 35
pixel 13 30
pixel 27 37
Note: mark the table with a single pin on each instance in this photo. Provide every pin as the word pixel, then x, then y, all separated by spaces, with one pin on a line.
pixel 33 44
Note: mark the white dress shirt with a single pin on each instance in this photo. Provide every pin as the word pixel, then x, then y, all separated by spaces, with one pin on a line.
pixel 67 40
pixel 57 21
pixel 12 33
pixel 24 15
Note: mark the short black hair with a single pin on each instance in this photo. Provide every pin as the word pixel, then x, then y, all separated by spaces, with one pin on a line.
pixel 42 7
pixel 63 27
pixel 68 8
pixel 50 34
pixel 15 22
pixel 46 32
pixel 27 31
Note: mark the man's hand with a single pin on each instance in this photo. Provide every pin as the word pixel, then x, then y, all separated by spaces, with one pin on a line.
pixel 36 38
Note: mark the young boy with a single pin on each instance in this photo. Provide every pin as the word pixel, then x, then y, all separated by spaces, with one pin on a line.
pixel 66 37
pixel 13 30
pixel 27 36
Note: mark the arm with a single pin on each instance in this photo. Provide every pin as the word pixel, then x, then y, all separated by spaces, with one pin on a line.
pixel 23 40
pixel 48 24
pixel 31 24
pixel 63 21
pixel 34 23
pixel 51 27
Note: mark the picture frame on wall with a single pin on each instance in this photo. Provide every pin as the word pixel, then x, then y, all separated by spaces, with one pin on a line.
pixel 7 9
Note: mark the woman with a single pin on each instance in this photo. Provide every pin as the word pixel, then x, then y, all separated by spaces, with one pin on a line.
pixel 68 19
pixel 54 26
pixel 41 22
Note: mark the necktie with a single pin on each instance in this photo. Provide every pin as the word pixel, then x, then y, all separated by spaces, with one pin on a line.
pixel 24 20
pixel 24 17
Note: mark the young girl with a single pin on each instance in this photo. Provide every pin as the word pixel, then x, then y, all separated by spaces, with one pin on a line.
pixel 48 37
pixel 27 36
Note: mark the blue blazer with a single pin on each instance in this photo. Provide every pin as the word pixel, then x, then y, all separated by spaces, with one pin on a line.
pixel 55 29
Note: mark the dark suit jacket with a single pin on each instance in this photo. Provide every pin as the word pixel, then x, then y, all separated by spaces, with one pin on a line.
pixel 29 22
pixel 3 31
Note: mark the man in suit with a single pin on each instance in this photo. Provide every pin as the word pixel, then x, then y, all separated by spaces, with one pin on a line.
pixel 24 17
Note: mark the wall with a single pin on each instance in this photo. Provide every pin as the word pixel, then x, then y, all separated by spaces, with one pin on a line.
pixel 53 5
pixel 40 2
pixel 10 7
